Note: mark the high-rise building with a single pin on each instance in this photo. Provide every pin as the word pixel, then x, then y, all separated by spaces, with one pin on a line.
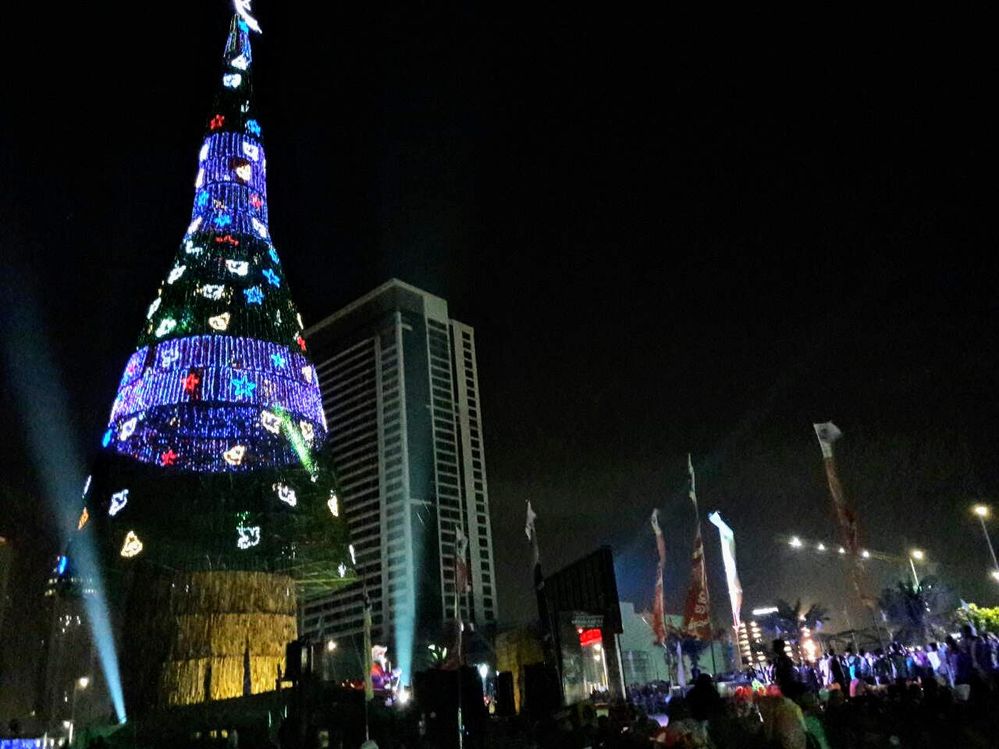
pixel 401 396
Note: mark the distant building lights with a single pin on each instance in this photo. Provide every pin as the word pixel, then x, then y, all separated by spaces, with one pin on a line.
pixel 795 542
pixel 865 554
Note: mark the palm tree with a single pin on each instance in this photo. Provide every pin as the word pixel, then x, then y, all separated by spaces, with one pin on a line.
pixel 788 620
pixel 915 613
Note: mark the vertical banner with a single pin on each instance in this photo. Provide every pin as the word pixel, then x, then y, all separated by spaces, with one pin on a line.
pixel 846 518
pixel 461 584
pixel 697 610
pixel 731 573
pixel 659 600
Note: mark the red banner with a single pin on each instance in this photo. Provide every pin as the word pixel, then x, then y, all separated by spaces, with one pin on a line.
pixel 658 599
pixel 696 611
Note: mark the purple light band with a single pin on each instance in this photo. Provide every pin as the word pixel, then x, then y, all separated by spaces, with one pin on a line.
pixel 157 378
pixel 199 434
pixel 222 194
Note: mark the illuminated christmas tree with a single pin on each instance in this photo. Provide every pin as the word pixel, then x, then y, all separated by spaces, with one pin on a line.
pixel 211 459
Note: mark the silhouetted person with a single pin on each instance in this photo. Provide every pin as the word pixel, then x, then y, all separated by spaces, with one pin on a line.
pixel 785 674
pixel 703 699
pixel 837 673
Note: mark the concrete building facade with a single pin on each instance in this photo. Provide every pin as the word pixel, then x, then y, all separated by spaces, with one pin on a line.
pixel 401 398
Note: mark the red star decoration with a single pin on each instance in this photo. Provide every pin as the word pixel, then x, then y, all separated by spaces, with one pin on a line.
pixel 256 201
pixel 191 382
pixel 301 342
pixel 227 239
pixel 168 458
pixel 217 122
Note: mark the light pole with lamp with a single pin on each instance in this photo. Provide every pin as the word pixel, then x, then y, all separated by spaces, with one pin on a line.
pixel 483 674
pixel 79 685
pixel 330 652
pixel 918 555
pixel 982 511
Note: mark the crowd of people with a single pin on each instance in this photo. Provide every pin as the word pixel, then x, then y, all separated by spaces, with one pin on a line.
pixel 966 664
pixel 938 695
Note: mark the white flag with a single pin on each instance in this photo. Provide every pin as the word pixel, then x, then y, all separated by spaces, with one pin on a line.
pixel 728 556
pixel 532 534
pixel 693 486
pixel 827 434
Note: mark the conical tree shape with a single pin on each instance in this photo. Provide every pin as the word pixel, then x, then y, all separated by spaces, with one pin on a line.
pixel 212 453
pixel 211 502
pixel 221 359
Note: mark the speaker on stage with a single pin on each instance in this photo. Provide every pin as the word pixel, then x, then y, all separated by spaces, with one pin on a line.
pixel 542 692
pixel 506 705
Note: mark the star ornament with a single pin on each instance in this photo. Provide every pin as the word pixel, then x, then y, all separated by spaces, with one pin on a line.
pixel 277 360
pixel 168 458
pixel 243 387
pixel 272 277
pixel 254 295
pixel 191 382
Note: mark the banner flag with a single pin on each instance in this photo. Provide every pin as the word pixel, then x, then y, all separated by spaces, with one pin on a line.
pixel 659 600
pixel 532 534
pixel 846 518
pixel 697 610
pixel 731 573
pixel 681 677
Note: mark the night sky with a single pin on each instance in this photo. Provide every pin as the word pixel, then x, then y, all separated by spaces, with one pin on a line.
pixel 667 239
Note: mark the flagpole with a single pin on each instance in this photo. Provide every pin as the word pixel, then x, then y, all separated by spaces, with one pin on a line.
pixel 697 608
pixel 827 433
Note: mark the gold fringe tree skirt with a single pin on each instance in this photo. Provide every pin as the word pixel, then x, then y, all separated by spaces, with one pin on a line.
pixel 208 635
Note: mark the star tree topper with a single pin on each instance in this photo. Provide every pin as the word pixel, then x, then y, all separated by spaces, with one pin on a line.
pixel 243 9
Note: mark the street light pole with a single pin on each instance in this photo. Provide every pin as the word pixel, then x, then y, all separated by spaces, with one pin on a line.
pixel 982 511
pixel 915 554
pixel 78 684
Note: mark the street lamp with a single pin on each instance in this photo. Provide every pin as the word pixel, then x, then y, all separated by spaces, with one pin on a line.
pixel 919 555
pixel 79 685
pixel 330 652
pixel 983 511
pixel 483 673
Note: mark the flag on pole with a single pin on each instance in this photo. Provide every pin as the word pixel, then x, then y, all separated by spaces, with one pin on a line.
pixel 658 600
pixel 697 610
pixel 532 536
pixel 531 532
pixel 846 518
pixel 731 574
pixel 461 583
pixel 681 677
pixel 369 690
